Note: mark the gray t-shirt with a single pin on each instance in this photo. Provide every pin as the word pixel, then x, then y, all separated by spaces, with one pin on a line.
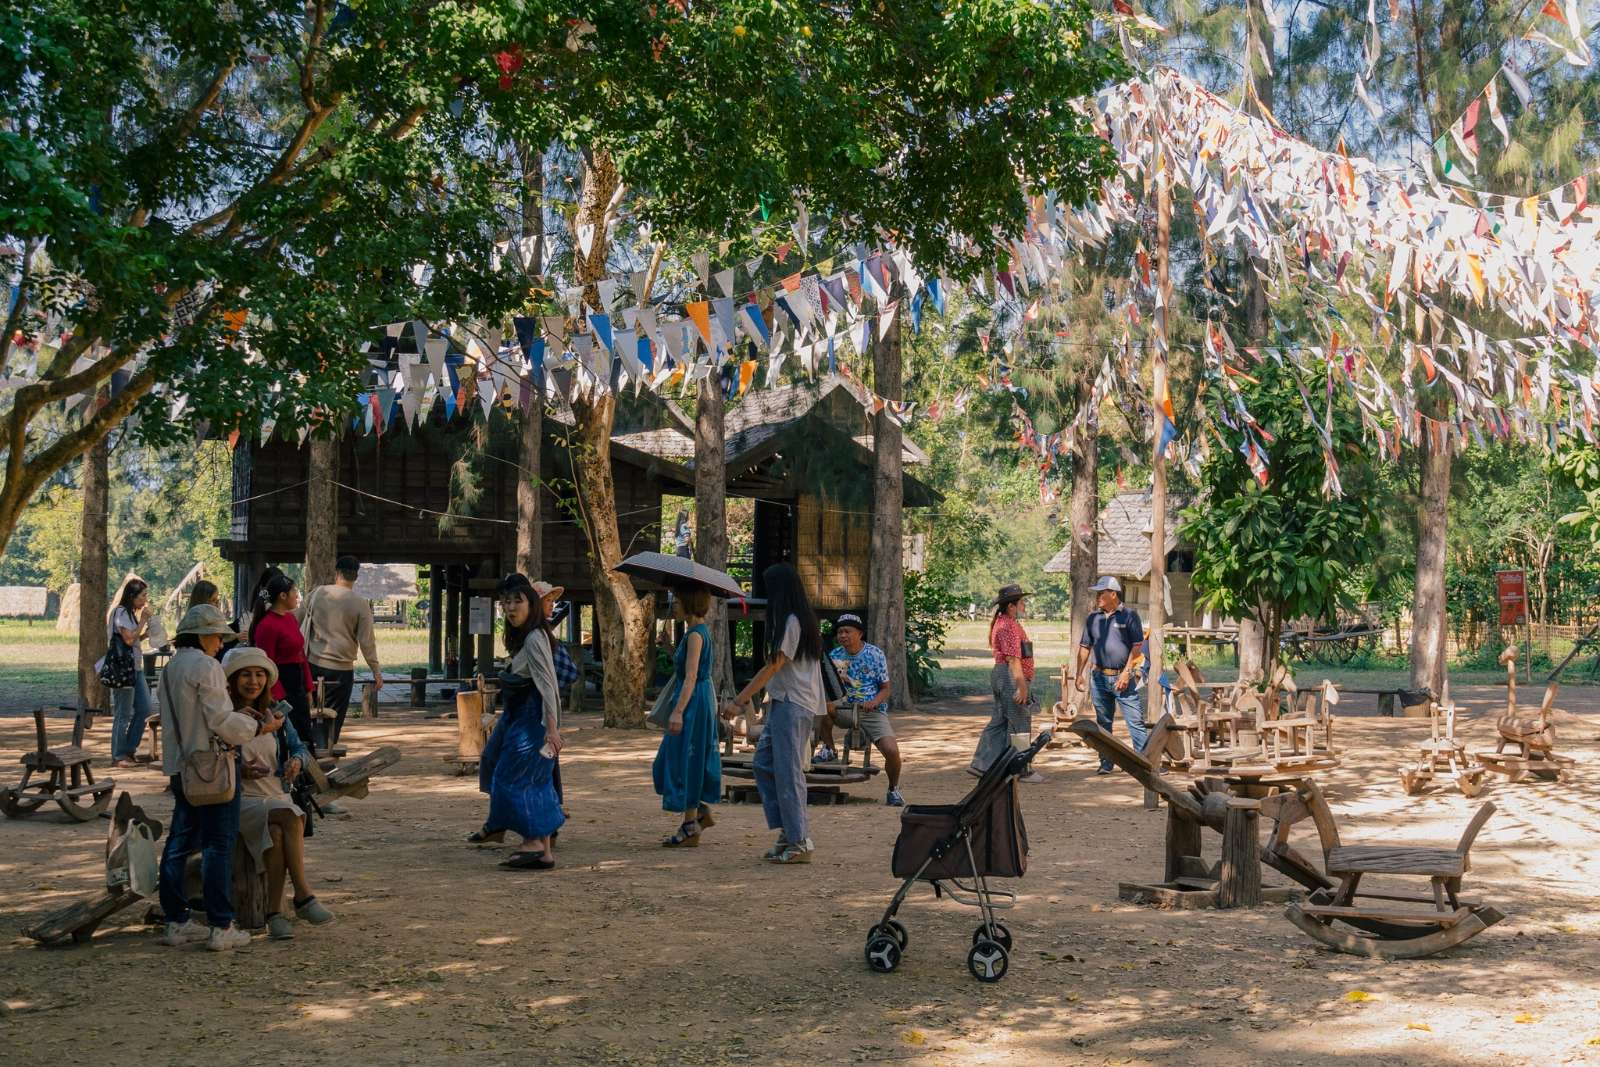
pixel 798 683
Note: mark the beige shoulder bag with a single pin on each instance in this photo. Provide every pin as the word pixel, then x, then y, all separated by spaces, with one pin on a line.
pixel 210 775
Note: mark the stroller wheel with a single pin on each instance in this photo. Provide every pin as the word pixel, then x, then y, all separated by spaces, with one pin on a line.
pixel 1002 935
pixel 988 960
pixel 883 952
pixel 898 932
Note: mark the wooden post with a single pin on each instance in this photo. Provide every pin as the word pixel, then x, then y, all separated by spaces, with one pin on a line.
pixel 465 660
pixel 447 622
pixel 436 582
pixel 1183 841
pixel 1239 879
pixel 1158 462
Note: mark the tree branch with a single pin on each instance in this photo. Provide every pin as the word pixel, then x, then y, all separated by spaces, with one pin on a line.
pixel 307 85
pixel 190 120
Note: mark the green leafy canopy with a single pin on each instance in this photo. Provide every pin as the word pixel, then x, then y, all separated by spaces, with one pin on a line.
pixel 1283 550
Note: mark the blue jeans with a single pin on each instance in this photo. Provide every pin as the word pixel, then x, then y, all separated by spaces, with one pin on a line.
pixel 1103 688
pixel 210 830
pixel 780 769
pixel 130 707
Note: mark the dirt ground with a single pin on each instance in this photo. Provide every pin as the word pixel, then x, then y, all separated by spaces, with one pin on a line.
pixel 630 954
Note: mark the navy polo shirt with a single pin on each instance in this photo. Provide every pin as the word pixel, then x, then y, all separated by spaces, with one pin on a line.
pixel 1113 637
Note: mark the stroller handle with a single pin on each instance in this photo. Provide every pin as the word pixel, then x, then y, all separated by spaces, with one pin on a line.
pixel 1022 760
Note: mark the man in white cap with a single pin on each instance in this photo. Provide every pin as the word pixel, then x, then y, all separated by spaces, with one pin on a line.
pixel 1114 637
pixel 864 672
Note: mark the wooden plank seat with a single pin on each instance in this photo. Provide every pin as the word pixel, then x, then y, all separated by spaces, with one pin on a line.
pixel 1387 859
pixel 56 757
pixel 1386 925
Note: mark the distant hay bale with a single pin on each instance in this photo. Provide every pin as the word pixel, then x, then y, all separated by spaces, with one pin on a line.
pixel 27 602
pixel 67 621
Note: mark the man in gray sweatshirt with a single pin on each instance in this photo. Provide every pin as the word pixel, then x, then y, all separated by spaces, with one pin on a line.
pixel 337 621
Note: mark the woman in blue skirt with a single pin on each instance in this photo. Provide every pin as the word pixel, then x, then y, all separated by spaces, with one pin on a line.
pixel 518 761
pixel 688 767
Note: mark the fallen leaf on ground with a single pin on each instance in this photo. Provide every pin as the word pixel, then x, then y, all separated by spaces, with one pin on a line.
pixel 1419 1026
pixel 913 1037
pixel 1526 1018
pixel 1357 996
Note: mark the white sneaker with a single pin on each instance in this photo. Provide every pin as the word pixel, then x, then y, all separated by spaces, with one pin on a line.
pixel 1032 778
pixel 188 932
pixel 332 807
pixel 224 938
pixel 825 755
pixel 796 853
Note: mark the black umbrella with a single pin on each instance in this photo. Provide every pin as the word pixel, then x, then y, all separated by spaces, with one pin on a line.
pixel 678 573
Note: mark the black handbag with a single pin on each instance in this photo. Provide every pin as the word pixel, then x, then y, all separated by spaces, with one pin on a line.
pixel 117 669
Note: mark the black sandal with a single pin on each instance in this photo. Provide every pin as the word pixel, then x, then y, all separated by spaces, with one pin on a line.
pixel 688 836
pixel 486 836
pixel 527 861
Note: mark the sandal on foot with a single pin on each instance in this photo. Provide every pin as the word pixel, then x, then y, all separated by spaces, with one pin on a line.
pixel 704 816
pixel 527 861
pixel 486 836
pixel 688 836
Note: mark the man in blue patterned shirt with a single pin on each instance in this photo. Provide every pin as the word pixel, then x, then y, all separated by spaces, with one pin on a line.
pixel 864 673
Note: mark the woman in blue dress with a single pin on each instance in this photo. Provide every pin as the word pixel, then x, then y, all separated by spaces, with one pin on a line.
pixel 518 761
pixel 688 767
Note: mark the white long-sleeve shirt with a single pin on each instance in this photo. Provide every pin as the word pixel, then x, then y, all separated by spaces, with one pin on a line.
pixel 195 706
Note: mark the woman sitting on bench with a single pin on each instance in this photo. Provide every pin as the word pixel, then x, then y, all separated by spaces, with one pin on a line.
pixel 271 825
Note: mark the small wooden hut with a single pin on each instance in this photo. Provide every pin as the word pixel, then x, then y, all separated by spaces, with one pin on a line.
pixel 1126 525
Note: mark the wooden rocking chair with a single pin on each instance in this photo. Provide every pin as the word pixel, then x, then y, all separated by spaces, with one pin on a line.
pixel 1388 925
pixel 1442 754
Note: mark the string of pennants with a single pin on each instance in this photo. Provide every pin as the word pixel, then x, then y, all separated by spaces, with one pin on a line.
pixel 1391 240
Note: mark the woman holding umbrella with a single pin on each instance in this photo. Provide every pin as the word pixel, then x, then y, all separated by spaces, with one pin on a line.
pixel 688 769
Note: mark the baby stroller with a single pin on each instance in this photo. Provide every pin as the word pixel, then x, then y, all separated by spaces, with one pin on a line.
pixel 958 848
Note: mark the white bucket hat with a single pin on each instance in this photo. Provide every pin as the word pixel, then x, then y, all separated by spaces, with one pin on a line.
pixel 244 656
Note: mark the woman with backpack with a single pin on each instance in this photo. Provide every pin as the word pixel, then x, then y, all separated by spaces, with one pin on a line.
pixel 127 621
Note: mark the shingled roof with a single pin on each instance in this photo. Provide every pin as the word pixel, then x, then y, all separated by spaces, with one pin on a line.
pixel 1124 549
pixel 759 418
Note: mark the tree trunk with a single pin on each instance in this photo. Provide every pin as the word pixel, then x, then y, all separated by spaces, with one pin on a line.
pixel 1253 637
pixel 1428 603
pixel 624 618
pixel 886 590
pixel 322 513
pixel 93 587
pixel 711 520
pixel 1083 508
pixel 530 540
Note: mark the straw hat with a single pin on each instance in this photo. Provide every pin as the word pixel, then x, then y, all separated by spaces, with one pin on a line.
pixel 244 656
pixel 546 591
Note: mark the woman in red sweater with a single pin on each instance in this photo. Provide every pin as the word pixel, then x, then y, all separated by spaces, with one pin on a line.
pixel 275 631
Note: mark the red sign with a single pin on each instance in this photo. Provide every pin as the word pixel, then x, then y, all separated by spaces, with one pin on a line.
pixel 1513 588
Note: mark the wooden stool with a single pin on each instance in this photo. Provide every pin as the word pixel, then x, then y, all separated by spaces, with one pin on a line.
pixel 69 777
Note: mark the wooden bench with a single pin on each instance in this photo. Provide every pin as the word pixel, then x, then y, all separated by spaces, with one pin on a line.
pixel 131 860
pixel 1387 925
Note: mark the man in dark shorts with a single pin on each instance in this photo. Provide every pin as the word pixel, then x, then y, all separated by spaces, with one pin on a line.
pixel 1113 637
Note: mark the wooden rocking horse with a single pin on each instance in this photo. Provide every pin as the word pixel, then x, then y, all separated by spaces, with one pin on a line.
pixel 1531 738
pixel 1442 754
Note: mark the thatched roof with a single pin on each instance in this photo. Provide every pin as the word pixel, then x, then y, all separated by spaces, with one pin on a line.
pixel 27 602
pixel 387 581
pixel 1124 549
